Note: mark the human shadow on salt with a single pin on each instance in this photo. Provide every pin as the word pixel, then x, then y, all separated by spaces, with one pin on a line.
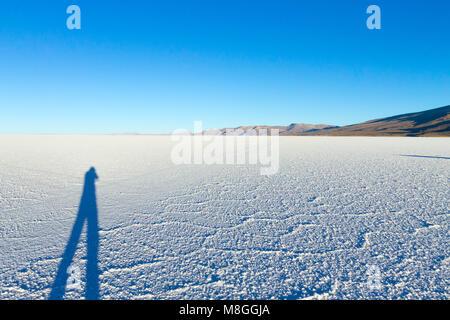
pixel 87 212
pixel 421 156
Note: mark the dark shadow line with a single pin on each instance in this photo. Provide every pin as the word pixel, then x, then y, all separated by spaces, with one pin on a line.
pixel 419 156
pixel 87 212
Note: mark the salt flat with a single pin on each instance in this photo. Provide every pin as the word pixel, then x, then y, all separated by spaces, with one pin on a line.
pixel 336 207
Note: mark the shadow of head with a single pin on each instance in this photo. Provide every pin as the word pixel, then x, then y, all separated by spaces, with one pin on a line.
pixel 91 176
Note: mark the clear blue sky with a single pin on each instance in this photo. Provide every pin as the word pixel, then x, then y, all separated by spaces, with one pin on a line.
pixel 154 66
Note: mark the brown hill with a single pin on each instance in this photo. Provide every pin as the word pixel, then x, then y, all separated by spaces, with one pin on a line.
pixel 434 122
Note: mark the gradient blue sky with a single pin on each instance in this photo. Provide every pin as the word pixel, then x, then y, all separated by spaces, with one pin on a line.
pixel 154 66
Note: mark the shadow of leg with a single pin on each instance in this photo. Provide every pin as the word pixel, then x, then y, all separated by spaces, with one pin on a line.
pixel 59 285
pixel 92 286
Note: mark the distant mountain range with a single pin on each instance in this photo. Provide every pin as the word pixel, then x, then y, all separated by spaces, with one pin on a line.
pixel 434 122
pixel 290 130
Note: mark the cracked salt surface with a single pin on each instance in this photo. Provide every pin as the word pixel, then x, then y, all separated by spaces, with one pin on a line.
pixel 336 207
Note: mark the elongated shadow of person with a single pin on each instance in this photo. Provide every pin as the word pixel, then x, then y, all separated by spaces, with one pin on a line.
pixel 86 212
pixel 420 156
